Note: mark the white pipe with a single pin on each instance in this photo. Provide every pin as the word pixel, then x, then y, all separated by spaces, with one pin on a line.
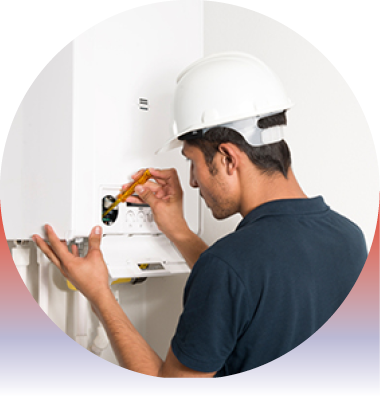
pixel 43 281
pixel 81 308
pixel 21 258
pixel 100 342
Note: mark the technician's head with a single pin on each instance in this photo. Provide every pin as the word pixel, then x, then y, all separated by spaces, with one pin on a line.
pixel 222 163
pixel 230 102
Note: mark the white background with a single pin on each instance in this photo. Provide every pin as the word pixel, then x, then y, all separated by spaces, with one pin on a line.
pixel 332 150
pixel 32 32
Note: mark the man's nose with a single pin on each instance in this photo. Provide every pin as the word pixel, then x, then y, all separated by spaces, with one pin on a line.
pixel 193 181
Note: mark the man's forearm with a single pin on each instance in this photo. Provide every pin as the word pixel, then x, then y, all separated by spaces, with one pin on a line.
pixel 189 245
pixel 130 348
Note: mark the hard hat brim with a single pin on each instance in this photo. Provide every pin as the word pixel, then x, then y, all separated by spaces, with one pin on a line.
pixel 171 144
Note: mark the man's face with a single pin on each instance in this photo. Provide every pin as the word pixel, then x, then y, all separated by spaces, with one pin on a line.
pixel 214 188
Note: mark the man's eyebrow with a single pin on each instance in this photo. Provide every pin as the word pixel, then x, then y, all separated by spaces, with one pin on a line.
pixel 183 153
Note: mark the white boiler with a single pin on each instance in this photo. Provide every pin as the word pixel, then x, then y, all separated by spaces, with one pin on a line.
pixel 94 116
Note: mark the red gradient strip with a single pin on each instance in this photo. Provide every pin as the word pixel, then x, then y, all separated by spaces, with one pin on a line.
pixel 362 304
pixel 18 309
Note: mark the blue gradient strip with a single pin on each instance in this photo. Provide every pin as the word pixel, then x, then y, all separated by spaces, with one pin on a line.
pixel 340 361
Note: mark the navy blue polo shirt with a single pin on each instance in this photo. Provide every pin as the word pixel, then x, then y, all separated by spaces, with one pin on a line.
pixel 265 288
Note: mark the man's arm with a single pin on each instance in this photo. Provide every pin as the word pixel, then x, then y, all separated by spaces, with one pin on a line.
pixel 131 350
pixel 164 196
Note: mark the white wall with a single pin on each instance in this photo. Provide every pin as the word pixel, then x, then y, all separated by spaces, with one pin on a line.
pixel 332 148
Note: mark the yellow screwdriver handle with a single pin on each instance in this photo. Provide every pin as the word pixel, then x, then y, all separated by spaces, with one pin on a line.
pixel 145 176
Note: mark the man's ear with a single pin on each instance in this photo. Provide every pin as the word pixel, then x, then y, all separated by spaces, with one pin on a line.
pixel 230 157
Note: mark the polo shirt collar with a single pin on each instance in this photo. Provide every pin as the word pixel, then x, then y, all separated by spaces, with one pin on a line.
pixel 285 207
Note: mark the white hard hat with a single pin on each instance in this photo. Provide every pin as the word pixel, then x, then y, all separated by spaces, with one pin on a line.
pixel 228 89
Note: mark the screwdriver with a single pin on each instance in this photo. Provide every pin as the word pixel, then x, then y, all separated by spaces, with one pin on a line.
pixel 145 176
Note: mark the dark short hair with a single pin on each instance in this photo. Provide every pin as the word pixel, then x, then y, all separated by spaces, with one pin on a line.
pixel 270 158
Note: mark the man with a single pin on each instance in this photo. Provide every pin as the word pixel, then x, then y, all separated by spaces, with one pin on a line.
pixel 265 288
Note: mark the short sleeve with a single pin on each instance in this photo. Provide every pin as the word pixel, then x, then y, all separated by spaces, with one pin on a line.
pixel 215 314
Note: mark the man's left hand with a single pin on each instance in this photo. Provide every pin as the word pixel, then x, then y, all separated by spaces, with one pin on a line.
pixel 88 274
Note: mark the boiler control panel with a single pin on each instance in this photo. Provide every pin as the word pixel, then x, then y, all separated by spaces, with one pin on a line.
pixel 126 218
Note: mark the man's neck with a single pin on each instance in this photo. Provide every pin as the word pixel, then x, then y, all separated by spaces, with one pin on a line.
pixel 263 188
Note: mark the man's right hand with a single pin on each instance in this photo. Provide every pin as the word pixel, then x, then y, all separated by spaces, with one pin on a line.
pixel 164 196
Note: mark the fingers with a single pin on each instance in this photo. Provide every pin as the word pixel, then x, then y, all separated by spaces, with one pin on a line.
pixel 46 249
pixel 138 174
pixel 135 176
pixel 166 184
pixel 134 200
pixel 164 174
pixel 153 186
pixel 74 249
pixel 156 173
pixel 60 250
pixel 167 177
pixel 146 195
pixel 95 238
pixel 126 186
